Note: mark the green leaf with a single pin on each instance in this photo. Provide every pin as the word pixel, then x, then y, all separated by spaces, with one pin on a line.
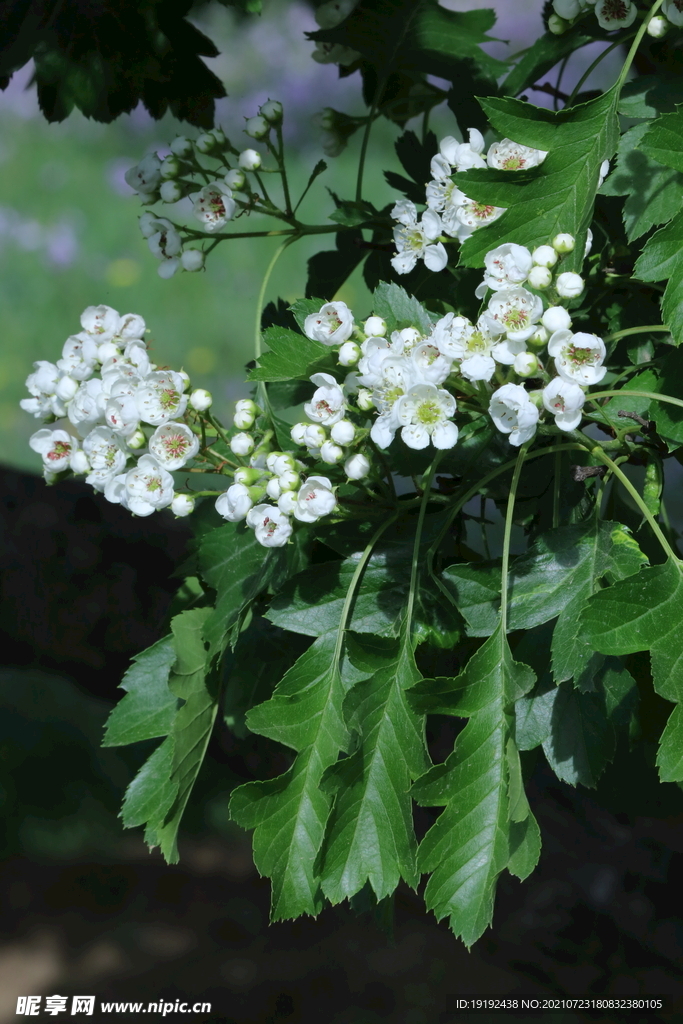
pixel 370 836
pixel 663 140
pixel 329 269
pixel 525 847
pixel 555 197
pixel 654 192
pixel 305 307
pixel 292 356
pixel 662 260
pixel 149 707
pixel 151 793
pixel 188 642
pixel 670 753
pixel 289 812
pixel 641 613
pixel 400 309
pixel 669 418
pixel 650 95
pixel 469 845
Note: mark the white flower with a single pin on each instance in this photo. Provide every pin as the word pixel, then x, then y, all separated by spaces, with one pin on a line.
pixel 463 155
pixel 357 467
pixel 101 322
pixel 249 160
pixel 331 453
pixel 314 435
pixel 160 397
pixel 79 356
pixel 55 448
pixel 431 366
pixel 604 171
pixel 173 444
pixel 273 488
pixel 106 455
pixel 414 240
pixel 658 27
pixel 214 205
pixel 182 505
pixel 315 499
pixel 66 388
pixel 375 327
pixel 564 399
pixel 578 357
pixel 272 111
pixel 569 8
pixel 331 325
pixel 271 526
pixel 146 175
pixel 135 354
pixel 121 414
pixel 514 310
pixel 614 14
pixel 445 198
pixel 87 407
pixel 327 404
pixel 41 386
pixel 544 256
pixel 569 285
pixel 164 241
pixel 115 489
pixel 525 364
pixel 234 504
pixel 556 318
pixel 457 338
pixel 507 265
pixel 289 480
pixel 242 444
pixel 148 487
pixel 78 462
pixel 673 9
pixel 332 13
pixel 507 155
pixel 171 191
pixel 397 376
pixel 473 214
pixel 131 327
pixel 424 413
pixel 343 432
pixel 514 413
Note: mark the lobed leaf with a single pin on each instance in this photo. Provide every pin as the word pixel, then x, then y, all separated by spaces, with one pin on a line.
pixel 148 709
pixel 662 260
pixel 291 356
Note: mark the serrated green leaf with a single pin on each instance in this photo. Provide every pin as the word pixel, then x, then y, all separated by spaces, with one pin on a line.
pixel 650 95
pixel 663 140
pixel 641 613
pixel 668 418
pixel 525 847
pixel 329 269
pixel 291 356
pixel 555 197
pixel 400 309
pixel 654 192
pixel 289 813
pixel 533 714
pixel 151 793
pixel 370 836
pixel 662 260
pixel 189 668
pixel 148 709
pixel 469 845
pixel 670 753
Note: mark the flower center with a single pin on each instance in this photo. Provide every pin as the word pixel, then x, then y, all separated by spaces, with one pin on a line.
pixel 59 450
pixel 513 163
pixel 168 398
pixel 615 9
pixel 581 356
pixel 175 444
pixel 428 413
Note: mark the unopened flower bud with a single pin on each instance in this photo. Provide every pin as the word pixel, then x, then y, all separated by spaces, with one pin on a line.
pixel 78 462
pixel 540 278
pixel 544 256
pixel 272 111
pixel 246 412
pixel 136 440
pixel 235 179
pixel 171 191
pixel 287 502
pixel 375 327
pixel 365 401
pixel 181 146
pixel 242 444
pixel 185 378
pixel 331 453
pixel 257 127
pixel 107 350
pixel 657 27
pixel 343 432
pixel 557 25
pixel 283 463
pixel 564 243
pixel 66 388
pixel 170 167
pixel 538 340
pixel 349 353
pixel 525 364
pixel 192 260
pixel 289 480
pixel 219 136
pixel 182 505
pixel 569 285
pixel 201 400
pixel 314 435
pixel 206 142
pixel 298 432
pixel 249 160
pixel 357 467
pixel 556 318
pixel 247 475
pixel 273 488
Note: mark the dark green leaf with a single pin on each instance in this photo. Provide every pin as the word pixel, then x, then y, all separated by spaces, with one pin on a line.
pixel 328 270
pixel 149 707
pixel 670 753
pixel 291 356
pixel 663 140
pixel 650 95
pixel 400 309
pixel 662 260
pixel 555 197
pixel 151 793
pixel 669 418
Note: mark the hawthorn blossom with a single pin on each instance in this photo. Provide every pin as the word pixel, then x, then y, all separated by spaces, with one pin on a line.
pixel 148 487
pixel 564 399
pixel 398 376
pixel 578 357
pixel 234 503
pixel 415 239
pixel 515 311
pixel 507 155
pixel 457 338
pixel 461 155
pixel 327 404
pixel 173 444
pixel 430 364
pixel 473 214
pixel 86 408
pixel 55 448
pixel 507 265
pixel 315 499
pixel 445 198
pixel 673 9
pixel 145 177
pixel 425 415
pixel 106 454
pixel 615 14
pixel 160 397
pixel 332 324
pixel 270 525
pixel 41 385
pixel 569 9
pixel 513 412
pixel 357 467
pixel 214 205
pixel 79 356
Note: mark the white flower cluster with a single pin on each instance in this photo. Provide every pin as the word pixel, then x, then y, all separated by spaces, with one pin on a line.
pixel 121 414
pixel 449 210
pixel 611 14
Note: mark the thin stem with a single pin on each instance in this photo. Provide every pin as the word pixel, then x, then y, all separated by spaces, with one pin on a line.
pixel 636 330
pixel 366 138
pixel 589 71
pixel 217 427
pixel 427 486
pixel 262 291
pixel 636 43
pixel 351 592
pixel 509 515
pixel 283 171
pixel 652 395
pixel 605 459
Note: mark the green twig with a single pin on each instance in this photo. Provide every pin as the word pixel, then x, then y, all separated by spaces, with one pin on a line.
pixel 589 71
pixel 509 515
